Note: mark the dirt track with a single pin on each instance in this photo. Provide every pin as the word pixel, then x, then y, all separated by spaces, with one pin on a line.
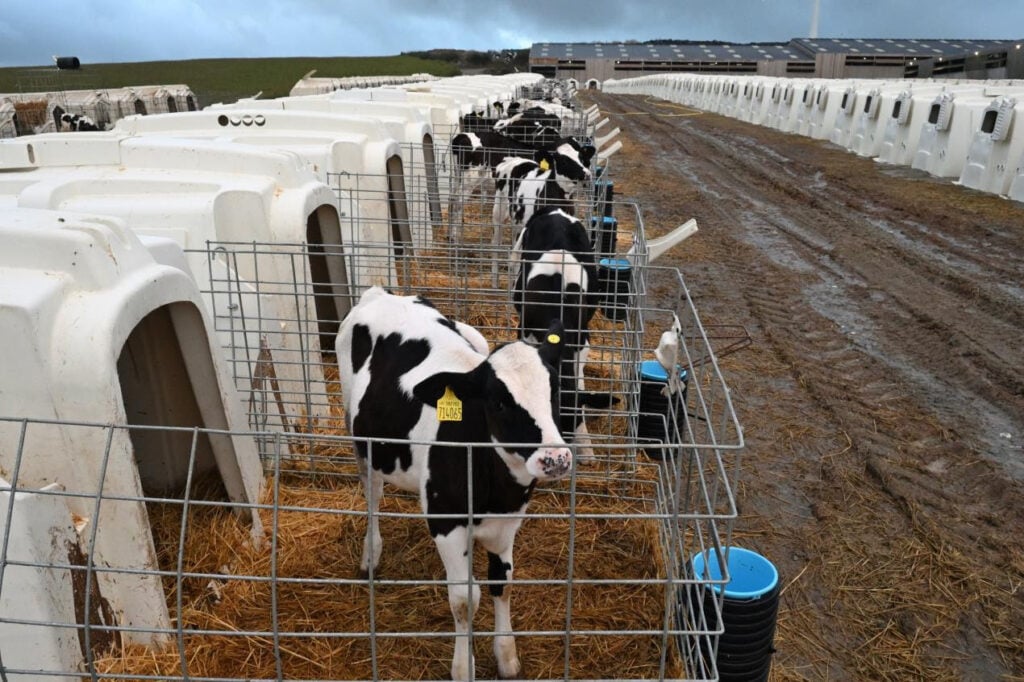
pixel 882 398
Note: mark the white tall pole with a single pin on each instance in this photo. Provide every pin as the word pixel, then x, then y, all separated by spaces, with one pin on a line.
pixel 814 18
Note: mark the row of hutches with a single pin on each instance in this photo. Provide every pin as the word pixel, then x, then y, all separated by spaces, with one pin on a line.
pixel 128 297
pixel 967 131
pixel 30 113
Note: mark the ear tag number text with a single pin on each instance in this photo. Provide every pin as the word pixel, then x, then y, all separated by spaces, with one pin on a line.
pixel 449 407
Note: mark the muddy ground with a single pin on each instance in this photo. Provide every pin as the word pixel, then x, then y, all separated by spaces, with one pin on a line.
pixel 882 398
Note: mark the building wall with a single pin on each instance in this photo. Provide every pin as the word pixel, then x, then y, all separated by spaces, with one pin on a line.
pixel 825 65
pixel 1015 63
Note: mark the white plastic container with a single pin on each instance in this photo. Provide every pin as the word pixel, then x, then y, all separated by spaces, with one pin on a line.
pixel 39 531
pixel 902 133
pixel 876 111
pixel 947 133
pixel 996 148
pixel 216 199
pixel 106 333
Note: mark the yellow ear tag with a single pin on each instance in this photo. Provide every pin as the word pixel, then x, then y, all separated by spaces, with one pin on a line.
pixel 554 338
pixel 449 407
pixel 544 165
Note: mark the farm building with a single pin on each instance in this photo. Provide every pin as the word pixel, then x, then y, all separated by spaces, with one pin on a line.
pixel 593 63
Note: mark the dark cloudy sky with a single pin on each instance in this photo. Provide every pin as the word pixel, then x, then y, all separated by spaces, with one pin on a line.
pixel 142 30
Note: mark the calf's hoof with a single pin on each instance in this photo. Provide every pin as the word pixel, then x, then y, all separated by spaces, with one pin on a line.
pixel 514 671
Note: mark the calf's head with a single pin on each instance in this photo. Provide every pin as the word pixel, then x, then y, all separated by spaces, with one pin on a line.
pixel 516 389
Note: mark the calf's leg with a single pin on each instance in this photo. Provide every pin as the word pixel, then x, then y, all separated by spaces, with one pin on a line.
pixel 457 554
pixel 499 568
pixel 584 446
pixel 373 488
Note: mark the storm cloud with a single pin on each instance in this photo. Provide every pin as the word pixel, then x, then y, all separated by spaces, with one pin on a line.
pixel 142 30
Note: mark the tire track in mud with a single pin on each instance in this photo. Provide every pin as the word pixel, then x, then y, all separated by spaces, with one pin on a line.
pixel 904 468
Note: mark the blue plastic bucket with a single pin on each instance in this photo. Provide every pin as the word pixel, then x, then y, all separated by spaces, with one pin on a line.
pixel 750 575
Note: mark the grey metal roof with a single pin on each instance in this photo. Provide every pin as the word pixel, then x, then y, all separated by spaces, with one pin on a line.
pixel 904 47
pixel 671 52
pixel 797 49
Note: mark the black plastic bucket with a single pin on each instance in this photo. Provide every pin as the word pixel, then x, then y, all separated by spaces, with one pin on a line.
pixel 655 408
pixel 604 193
pixel 616 275
pixel 604 231
pixel 750 603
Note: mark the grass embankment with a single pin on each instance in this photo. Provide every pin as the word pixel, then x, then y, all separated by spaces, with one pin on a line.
pixel 217 80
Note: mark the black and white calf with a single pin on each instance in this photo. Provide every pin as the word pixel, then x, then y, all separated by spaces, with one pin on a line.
pixel 408 372
pixel 477 155
pixel 572 163
pixel 477 123
pixel 557 281
pixel 532 126
pixel 76 123
pixel 521 186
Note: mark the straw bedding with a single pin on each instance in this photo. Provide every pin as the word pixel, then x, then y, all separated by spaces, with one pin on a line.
pixel 31 114
pixel 317 539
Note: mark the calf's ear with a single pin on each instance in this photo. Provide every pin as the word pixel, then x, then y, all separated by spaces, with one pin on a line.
pixel 553 343
pixel 463 384
pixel 544 159
pixel 587 154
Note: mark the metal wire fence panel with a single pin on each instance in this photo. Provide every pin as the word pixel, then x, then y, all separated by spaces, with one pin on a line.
pixel 601 589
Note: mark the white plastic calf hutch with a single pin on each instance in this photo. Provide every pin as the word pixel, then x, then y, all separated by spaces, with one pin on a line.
pixel 881 105
pixel 805 102
pixel 98 330
pixel 909 114
pixel 160 99
pixel 997 146
pixel 751 99
pixel 1016 191
pixel 860 95
pixel 8 119
pixel 407 124
pixel 763 98
pixel 480 91
pixel 206 195
pixel 444 112
pixel 318 85
pixel 832 99
pixel 780 107
pixel 354 155
pixel 946 134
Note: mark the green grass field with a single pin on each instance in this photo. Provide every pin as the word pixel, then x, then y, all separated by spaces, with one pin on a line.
pixel 217 80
